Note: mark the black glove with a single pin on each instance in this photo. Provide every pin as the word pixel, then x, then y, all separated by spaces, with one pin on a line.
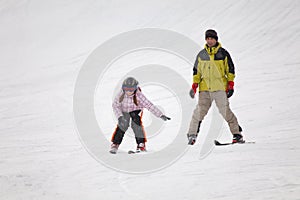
pixel 165 118
pixel 123 123
pixel 229 93
pixel 192 93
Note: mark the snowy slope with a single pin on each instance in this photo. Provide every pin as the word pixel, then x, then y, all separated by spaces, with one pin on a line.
pixel 43 45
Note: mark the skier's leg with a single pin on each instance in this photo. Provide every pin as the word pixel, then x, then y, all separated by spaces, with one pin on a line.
pixel 223 105
pixel 137 127
pixel 204 103
pixel 118 134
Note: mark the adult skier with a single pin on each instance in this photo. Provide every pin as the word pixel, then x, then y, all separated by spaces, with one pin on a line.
pixel 213 75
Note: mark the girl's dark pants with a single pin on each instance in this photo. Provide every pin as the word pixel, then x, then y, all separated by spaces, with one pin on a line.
pixel 136 125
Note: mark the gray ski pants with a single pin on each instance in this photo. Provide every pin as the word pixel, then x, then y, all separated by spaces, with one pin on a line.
pixel 204 103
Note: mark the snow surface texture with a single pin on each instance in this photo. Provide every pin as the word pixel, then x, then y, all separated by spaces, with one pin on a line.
pixel 43 45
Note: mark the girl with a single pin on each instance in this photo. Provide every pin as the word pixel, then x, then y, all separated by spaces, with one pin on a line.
pixel 128 104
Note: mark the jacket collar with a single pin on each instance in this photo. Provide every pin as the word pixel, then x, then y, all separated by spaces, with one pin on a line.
pixel 213 50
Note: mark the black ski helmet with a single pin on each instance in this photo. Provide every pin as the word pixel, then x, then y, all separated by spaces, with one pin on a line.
pixel 130 82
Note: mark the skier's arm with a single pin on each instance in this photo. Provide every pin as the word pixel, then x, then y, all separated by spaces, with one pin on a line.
pixel 197 75
pixel 230 70
pixel 230 73
pixel 196 78
pixel 117 106
pixel 145 103
pixel 195 68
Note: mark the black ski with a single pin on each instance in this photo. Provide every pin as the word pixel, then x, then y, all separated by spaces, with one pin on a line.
pixel 131 152
pixel 137 151
pixel 217 143
pixel 113 152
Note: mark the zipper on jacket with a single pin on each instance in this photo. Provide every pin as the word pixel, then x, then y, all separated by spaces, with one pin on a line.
pixel 209 78
pixel 210 75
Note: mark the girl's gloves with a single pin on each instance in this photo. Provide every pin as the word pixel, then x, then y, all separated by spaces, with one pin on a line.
pixel 165 118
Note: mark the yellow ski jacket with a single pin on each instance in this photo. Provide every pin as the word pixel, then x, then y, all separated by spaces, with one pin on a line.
pixel 213 69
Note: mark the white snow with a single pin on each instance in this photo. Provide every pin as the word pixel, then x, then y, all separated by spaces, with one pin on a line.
pixel 43 45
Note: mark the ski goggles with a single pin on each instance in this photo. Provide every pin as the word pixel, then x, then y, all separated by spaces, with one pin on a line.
pixel 129 89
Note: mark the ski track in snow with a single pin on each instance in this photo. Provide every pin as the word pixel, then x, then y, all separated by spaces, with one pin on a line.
pixel 43 46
